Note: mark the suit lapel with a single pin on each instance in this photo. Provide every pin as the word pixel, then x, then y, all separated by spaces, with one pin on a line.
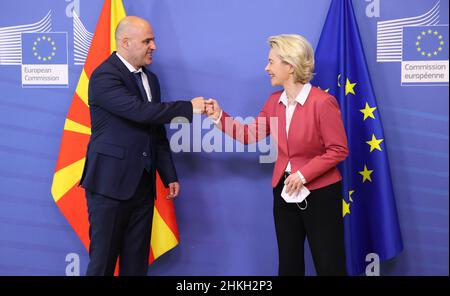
pixel 281 114
pixel 129 80
pixel 295 118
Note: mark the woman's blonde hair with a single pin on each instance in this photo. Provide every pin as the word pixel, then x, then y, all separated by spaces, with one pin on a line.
pixel 296 51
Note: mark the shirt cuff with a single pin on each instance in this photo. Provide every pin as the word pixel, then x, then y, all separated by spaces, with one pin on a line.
pixel 218 119
pixel 302 178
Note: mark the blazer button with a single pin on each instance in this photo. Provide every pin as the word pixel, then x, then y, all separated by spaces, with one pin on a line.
pixel 144 153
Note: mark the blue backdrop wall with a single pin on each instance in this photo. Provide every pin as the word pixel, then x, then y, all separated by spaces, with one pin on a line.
pixel 216 49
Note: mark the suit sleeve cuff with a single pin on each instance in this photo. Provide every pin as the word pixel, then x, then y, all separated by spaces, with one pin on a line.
pixel 216 122
pixel 302 177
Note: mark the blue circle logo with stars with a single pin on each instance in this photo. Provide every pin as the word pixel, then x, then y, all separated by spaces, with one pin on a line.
pixel 44 48
pixel 429 43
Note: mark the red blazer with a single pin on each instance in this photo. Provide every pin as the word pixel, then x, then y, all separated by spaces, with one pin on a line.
pixel 316 143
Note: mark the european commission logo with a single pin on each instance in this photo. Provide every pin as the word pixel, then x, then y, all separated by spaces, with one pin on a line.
pixel 41 53
pixel 425 43
pixel 11 37
pixel 425 55
pixel 421 45
pixel 44 59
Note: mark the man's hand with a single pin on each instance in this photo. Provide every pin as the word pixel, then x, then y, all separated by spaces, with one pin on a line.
pixel 198 105
pixel 213 109
pixel 174 190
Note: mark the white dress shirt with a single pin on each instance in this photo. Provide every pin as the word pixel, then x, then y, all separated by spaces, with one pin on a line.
pixel 290 108
pixel 143 75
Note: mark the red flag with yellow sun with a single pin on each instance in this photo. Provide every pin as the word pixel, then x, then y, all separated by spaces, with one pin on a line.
pixel 69 197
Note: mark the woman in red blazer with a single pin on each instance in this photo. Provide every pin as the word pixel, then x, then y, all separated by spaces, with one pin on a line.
pixel 306 124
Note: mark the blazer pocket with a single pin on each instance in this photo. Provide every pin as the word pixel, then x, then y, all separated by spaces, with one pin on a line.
pixel 110 150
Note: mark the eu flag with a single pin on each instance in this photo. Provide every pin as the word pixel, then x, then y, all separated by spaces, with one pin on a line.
pixel 369 210
pixel 44 48
pixel 425 43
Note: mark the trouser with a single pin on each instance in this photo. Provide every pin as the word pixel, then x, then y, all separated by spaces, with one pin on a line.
pixel 321 223
pixel 120 229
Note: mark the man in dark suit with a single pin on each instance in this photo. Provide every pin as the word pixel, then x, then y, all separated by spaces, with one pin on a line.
pixel 128 144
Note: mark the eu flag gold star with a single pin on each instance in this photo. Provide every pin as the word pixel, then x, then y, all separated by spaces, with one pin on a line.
pixel 368 111
pixel 366 174
pixel 374 143
pixel 325 90
pixel 345 208
pixel 350 195
pixel 349 87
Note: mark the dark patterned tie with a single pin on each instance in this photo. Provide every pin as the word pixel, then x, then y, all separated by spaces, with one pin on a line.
pixel 138 77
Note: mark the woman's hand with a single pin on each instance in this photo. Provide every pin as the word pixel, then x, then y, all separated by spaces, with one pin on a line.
pixel 293 184
pixel 213 109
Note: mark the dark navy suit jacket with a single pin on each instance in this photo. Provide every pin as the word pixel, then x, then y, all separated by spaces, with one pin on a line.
pixel 127 132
